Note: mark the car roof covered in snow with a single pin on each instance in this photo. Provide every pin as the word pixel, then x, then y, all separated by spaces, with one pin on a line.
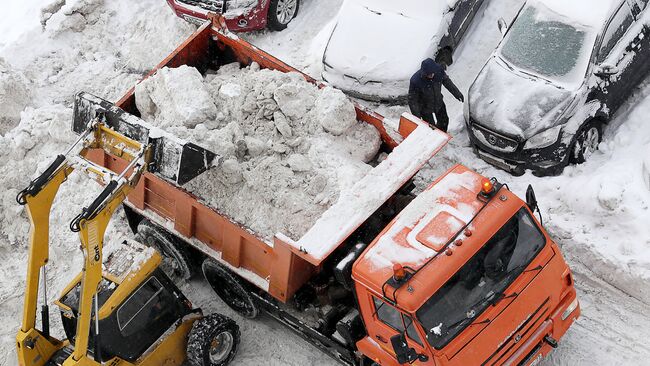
pixel 450 206
pixel 590 13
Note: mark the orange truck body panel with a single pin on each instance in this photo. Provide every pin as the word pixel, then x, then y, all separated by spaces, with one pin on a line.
pixel 513 328
pixel 280 269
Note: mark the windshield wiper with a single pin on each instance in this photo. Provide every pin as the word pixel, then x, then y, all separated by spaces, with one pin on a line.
pixel 501 294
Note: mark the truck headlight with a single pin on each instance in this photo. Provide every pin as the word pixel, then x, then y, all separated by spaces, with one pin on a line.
pixel 572 306
pixel 544 139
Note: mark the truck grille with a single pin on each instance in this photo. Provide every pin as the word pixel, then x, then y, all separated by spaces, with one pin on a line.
pixel 214 5
pixel 494 140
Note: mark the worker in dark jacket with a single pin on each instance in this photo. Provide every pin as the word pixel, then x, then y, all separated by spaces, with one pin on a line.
pixel 425 94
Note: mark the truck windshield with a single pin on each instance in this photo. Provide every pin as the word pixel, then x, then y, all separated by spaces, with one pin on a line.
pixel 482 280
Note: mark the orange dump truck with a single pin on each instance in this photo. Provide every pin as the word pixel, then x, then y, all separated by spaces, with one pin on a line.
pixel 461 274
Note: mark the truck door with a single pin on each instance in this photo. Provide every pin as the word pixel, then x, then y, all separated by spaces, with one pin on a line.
pixel 388 322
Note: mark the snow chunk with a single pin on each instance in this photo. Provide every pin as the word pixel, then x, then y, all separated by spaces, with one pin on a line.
pixel 14 96
pixel 175 95
pixel 334 111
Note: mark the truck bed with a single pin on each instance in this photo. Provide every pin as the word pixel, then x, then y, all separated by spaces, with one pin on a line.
pixel 282 266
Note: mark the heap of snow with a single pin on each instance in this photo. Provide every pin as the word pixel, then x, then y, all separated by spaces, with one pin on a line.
pixel 14 96
pixel 286 148
pixel 120 41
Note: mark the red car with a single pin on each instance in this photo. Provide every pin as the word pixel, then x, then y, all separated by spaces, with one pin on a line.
pixel 241 15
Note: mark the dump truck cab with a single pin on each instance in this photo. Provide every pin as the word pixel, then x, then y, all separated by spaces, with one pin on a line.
pixel 464 275
pixel 138 304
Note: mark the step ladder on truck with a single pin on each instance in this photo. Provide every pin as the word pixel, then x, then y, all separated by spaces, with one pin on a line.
pixel 461 274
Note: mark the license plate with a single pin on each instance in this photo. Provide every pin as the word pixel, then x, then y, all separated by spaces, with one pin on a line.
pixel 536 360
pixel 496 162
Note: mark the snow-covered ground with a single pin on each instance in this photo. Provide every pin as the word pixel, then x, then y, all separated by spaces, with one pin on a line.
pixel 599 212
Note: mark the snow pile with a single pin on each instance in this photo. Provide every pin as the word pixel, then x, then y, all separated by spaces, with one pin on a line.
pixel 14 96
pixel 287 149
pixel 38 80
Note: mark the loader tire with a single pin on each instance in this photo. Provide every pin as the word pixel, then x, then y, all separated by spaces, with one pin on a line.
pixel 231 289
pixel 213 341
pixel 176 261
pixel 281 13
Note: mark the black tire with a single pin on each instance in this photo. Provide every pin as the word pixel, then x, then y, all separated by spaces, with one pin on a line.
pixel 445 57
pixel 230 288
pixel 281 12
pixel 213 341
pixel 177 263
pixel 586 141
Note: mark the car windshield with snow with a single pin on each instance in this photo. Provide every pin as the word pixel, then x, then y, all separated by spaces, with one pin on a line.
pixel 544 97
pixel 482 281
pixel 365 61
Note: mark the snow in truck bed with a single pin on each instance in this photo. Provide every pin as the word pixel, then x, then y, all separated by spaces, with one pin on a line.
pixel 369 194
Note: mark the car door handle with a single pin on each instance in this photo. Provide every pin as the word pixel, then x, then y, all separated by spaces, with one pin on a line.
pixel 381 339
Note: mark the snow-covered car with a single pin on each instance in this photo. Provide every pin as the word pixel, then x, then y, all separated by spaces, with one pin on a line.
pixel 241 15
pixel 562 70
pixel 377 45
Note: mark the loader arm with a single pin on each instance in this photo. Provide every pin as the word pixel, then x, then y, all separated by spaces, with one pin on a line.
pixel 36 347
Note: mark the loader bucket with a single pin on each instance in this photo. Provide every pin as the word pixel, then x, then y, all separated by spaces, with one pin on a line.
pixel 173 158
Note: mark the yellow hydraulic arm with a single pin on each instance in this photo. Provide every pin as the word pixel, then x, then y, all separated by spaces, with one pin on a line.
pixel 36 347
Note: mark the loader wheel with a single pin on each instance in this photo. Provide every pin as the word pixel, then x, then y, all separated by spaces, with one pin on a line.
pixel 230 288
pixel 281 12
pixel 213 341
pixel 176 259
pixel 586 141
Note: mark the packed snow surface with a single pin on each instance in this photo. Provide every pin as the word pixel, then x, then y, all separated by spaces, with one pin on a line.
pixel 287 149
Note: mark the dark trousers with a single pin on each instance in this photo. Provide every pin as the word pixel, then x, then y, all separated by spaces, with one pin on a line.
pixel 441 121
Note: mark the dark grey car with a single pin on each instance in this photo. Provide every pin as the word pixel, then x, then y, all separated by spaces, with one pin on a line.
pixel 562 70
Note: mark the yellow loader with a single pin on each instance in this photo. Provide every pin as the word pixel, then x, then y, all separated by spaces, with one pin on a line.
pixel 121 310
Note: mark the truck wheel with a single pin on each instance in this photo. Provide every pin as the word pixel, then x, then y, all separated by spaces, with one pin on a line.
pixel 230 288
pixel 281 12
pixel 586 141
pixel 213 341
pixel 176 259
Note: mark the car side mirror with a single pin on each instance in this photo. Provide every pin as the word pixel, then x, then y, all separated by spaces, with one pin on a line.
pixel 403 352
pixel 503 26
pixel 605 71
pixel 531 200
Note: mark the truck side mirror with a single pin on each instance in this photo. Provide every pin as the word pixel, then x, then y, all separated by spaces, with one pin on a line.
pixel 531 200
pixel 503 26
pixel 403 352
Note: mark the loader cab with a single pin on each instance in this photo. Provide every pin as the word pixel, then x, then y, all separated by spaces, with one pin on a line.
pixel 464 270
pixel 138 303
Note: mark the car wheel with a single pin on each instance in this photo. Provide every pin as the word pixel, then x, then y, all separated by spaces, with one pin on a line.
pixel 586 141
pixel 445 57
pixel 281 12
